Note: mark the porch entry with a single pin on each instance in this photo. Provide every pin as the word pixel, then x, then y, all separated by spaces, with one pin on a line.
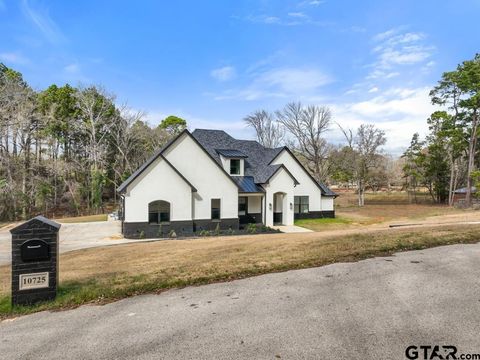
pixel 250 209
pixel 278 208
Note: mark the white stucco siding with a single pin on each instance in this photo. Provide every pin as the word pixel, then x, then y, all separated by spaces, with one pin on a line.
pixel 280 182
pixel 306 187
pixel 327 203
pixel 158 182
pixel 207 177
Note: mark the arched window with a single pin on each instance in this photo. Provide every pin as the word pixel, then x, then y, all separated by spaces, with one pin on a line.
pixel 158 212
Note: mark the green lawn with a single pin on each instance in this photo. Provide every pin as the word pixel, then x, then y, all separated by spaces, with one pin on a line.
pixel 323 224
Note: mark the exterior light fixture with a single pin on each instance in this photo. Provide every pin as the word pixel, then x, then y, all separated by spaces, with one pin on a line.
pixel 291 206
pixel 270 206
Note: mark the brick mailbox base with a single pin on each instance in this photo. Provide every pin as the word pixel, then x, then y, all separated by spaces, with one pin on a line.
pixel 34 261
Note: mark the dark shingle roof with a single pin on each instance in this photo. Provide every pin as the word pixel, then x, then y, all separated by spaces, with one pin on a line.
pixel 257 163
pixel 257 159
pixel 247 185
pixel 258 156
pixel 231 153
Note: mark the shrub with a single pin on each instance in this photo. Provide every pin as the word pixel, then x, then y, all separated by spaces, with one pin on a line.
pixel 217 229
pixel 252 228
pixel 141 235
pixel 172 234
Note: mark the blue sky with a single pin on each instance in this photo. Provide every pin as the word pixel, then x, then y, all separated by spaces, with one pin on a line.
pixel 213 62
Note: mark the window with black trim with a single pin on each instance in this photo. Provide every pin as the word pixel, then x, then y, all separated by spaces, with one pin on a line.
pixel 215 209
pixel 301 205
pixel 234 166
pixel 158 212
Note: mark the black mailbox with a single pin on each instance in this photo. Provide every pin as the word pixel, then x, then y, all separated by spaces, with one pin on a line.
pixel 35 250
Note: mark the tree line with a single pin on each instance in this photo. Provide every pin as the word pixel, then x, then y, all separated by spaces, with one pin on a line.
pixel 64 150
pixel 441 163
pixel 448 158
pixel 360 161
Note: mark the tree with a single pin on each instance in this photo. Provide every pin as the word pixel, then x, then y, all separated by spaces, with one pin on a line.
pixel 413 168
pixel 307 125
pixel 460 91
pixel 173 125
pixel 365 145
pixel 268 131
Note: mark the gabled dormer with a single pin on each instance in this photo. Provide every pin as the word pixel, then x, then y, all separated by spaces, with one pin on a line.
pixel 233 161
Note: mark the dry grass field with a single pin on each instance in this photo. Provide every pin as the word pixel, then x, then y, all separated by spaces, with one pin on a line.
pixel 100 275
pixel 380 209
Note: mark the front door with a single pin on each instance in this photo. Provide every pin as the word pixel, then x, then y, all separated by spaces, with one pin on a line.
pixel 242 210
pixel 278 209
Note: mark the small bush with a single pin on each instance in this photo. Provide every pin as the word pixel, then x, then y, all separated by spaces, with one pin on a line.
pixel 141 235
pixel 204 233
pixel 172 234
pixel 217 229
pixel 252 228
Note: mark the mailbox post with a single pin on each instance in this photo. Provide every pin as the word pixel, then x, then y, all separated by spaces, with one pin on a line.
pixel 34 261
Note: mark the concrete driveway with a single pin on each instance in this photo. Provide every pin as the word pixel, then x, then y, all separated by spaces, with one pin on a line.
pixel 373 309
pixel 73 237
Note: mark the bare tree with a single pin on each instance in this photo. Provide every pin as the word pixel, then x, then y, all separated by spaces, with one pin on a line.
pixel 269 132
pixel 308 125
pixel 366 155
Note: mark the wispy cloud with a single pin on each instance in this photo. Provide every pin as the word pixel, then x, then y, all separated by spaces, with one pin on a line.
pixel 396 47
pixel 14 58
pixel 279 82
pixel 224 73
pixel 43 22
pixel 398 111
pixel 73 68
pixel 312 3
pixel 290 19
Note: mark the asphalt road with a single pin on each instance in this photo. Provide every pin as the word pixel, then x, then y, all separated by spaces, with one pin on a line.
pixel 371 309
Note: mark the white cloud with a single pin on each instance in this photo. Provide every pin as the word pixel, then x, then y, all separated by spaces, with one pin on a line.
pixel 297 14
pixel 395 48
pixel 41 19
pixel 373 90
pixel 224 73
pixel 279 82
pixel 399 111
pixel 312 2
pixel 73 68
pixel 291 19
pixel 13 58
pixel 294 80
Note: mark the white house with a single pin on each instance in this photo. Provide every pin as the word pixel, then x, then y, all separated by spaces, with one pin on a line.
pixel 207 178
